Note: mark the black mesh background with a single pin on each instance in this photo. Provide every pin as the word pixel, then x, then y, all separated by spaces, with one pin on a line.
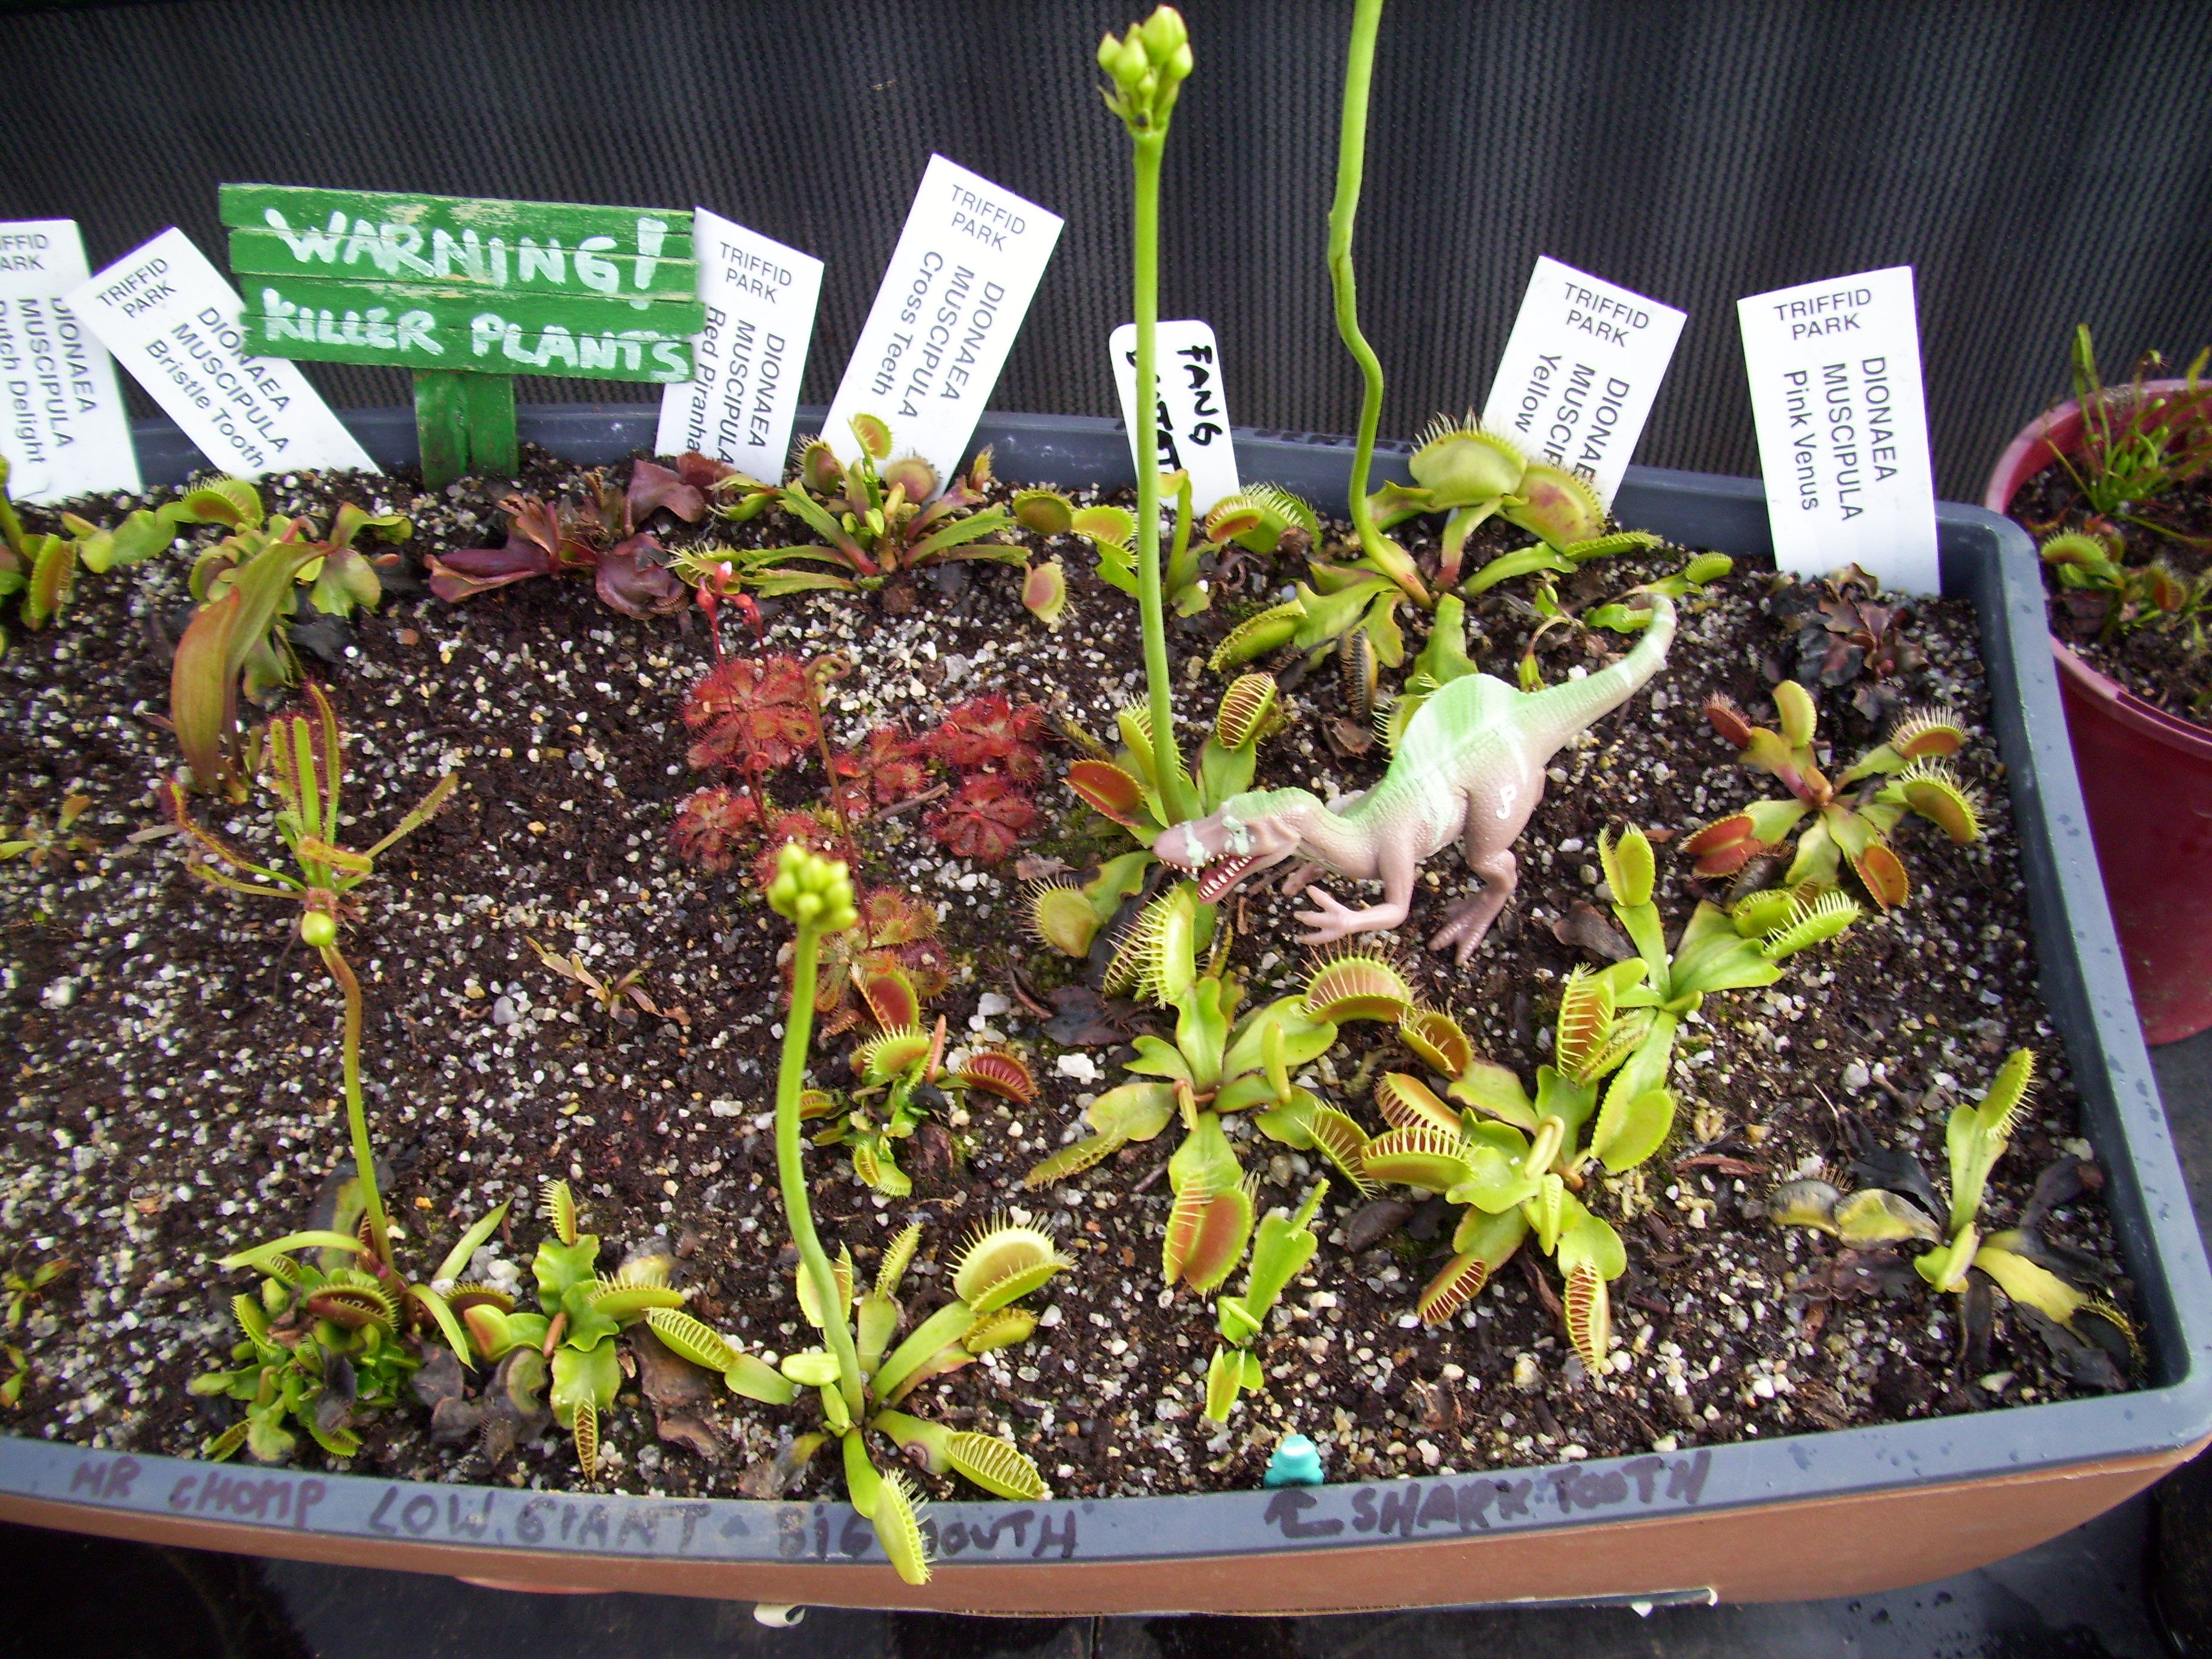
pixel 2039 164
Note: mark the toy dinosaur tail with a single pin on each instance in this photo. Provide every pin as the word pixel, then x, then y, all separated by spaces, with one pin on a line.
pixel 1555 714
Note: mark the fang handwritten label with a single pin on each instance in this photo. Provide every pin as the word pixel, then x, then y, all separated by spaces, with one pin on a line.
pixel 171 319
pixel 747 364
pixel 1842 430
pixel 960 282
pixel 62 426
pixel 1190 411
pixel 1581 369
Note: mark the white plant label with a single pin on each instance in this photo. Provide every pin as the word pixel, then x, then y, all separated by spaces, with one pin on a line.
pixel 1190 410
pixel 960 282
pixel 172 319
pixel 744 396
pixel 65 431
pixel 1580 371
pixel 1843 431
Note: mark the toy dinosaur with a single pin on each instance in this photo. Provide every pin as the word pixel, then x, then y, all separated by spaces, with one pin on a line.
pixel 1470 767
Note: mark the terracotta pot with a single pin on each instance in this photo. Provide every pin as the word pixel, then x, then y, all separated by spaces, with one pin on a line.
pixel 2147 781
pixel 1784 1517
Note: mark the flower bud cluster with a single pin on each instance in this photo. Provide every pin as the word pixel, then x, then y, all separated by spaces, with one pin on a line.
pixel 812 891
pixel 1148 65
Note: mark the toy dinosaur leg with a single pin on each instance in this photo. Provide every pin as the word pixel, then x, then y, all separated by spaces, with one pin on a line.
pixel 1329 920
pixel 1300 876
pixel 1466 921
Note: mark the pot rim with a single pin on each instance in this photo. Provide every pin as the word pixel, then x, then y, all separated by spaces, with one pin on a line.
pixel 2058 430
pixel 1984 557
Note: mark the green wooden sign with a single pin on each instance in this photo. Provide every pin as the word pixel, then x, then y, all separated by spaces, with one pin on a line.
pixel 466 294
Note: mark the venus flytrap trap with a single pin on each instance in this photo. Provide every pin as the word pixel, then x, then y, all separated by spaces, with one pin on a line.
pixel 1285 1244
pixel 1905 775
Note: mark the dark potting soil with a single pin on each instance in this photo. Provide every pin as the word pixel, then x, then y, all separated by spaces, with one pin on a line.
pixel 175 1057
pixel 2164 663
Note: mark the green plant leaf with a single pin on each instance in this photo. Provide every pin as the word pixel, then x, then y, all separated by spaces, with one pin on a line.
pixel 1630 1129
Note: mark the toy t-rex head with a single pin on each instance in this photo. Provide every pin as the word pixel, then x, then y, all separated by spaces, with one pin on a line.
pixel 1248 834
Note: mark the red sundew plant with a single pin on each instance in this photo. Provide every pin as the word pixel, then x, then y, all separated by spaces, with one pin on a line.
pixel 713 828
pixel 986 818
pixel 886 768
pixel 755 714
pixel 989 731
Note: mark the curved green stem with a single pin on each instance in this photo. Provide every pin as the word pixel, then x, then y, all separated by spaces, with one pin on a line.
pixel 364 1161
pixel 791 1173
pixel 1350 163
pixel 1173 782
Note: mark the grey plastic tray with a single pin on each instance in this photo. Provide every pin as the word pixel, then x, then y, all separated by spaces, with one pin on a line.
pixel 1985 558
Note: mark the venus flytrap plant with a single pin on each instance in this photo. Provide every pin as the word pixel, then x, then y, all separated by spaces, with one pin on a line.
pixel 1519 1160
pixel 1259 521
pixel 246 588
pixel 306 773
pixel 899 1069
pixel 1217 1063
pixel 1135 788
pixel 874 518
pixel 581 1312
pixel 1907 775
pixel 2136 595
pixel 1714 951
pixel 331 1336
pixel 2016 1260
pixel 39 844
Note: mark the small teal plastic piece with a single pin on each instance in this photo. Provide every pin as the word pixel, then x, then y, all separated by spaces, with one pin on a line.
pixel 1297 1463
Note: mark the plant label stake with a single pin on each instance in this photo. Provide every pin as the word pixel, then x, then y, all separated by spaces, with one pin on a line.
pixel 959 284
pixel 66 432
pixel 466 295
pixel 1843 431
pixel 169 317
pixel 751 353
pixel 1580 371
pixel 1191 410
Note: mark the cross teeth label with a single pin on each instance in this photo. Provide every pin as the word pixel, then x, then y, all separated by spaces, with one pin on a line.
pixel 1580 371
pixel 1836 391
pixel 172 319
pixel 959 283
pixel 64 428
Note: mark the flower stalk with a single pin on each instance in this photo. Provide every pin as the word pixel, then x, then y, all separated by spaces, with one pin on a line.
pixel 1148 65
